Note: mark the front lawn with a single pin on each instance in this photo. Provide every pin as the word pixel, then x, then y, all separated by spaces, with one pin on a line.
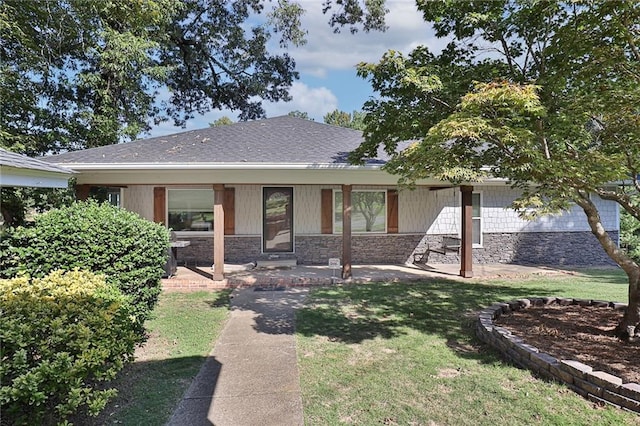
pixel 406 354
pixel 183 330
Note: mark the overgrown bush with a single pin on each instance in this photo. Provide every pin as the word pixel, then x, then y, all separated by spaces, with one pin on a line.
pixel 61 337
pixel 129 250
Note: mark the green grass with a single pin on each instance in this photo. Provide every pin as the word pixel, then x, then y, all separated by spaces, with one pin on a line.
pixel 183 331
pixel 406 354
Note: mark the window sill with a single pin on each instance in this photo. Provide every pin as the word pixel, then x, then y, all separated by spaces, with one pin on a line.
pixel 365 233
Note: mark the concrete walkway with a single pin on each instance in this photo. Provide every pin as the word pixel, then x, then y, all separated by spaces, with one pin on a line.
pixel 251 377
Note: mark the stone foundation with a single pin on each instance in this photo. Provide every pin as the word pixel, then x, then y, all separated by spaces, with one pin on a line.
pixel 530 248
pixel 533 248
pixel 597 386
pixel 365 249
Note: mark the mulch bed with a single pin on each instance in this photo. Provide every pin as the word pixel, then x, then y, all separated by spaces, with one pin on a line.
pixel 585 334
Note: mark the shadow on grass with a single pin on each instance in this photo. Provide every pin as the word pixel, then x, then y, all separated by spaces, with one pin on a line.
pixel 613 275
pixel 351 314
pixel 220 298
pixel 151 387
pixel 150 391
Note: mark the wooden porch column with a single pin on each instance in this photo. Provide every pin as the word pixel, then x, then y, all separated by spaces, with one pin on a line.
pixel 218 232
pixel 346 232
pixel 82 192
pixel 466 246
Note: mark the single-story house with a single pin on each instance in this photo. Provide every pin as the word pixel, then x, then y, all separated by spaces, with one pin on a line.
pixel 18 170
pixel 281 188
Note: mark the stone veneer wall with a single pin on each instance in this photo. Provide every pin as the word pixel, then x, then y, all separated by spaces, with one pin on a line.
pixel 595 385
pixel 237 249
pixel 310 250
pixel 384 249
pixel 533 248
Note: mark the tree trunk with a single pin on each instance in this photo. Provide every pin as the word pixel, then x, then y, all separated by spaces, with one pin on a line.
pixel 629 326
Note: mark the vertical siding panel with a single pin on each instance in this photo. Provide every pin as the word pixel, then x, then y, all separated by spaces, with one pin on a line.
pixel 229 211
pixel 139 199
pixel 159 204
pixel 392 211
pixel 82 192
pixel 326 211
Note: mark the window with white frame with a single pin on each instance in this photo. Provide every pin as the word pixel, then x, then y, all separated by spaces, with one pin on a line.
pixel 476 218
pixel 190 209
pixel 368 211
pixel 108 194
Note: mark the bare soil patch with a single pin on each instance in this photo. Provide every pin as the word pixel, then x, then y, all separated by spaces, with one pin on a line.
pixel 585 334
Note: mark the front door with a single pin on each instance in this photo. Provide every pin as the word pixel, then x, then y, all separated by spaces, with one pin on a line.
pixel 277 222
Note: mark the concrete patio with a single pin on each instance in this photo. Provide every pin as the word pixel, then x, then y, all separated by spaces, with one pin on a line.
pixel 238 276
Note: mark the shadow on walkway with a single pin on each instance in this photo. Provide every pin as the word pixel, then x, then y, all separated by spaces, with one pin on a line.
pixel 251 377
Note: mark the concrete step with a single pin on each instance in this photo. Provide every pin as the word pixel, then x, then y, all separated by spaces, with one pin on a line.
pixel 276 263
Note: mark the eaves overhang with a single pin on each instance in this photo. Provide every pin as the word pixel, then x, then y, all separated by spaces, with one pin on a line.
pixel 23 177
pixel 219 166
pixel 123 174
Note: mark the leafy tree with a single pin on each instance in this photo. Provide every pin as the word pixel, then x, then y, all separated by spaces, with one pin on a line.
pixel 553 108
pixel 77 74
pixel 84 73
pixel 300 114
pixel 344 119
pixel 222 121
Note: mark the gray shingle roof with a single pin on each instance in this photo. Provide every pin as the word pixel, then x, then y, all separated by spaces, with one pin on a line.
pixel 11 159
pixel 279 140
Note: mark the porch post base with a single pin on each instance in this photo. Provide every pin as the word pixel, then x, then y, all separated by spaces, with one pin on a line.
pixel 466 274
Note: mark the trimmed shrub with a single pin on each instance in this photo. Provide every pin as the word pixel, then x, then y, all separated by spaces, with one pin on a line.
pixel 61 337
pixel 130 251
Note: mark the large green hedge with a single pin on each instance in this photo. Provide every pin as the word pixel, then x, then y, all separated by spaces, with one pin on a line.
pixel 61 336
pixel 130 251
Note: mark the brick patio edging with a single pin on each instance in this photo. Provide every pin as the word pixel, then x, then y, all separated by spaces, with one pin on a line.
pixel 179 284
pixel 596 386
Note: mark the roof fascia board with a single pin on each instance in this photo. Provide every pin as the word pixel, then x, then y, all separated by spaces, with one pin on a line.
pixel 216 166
pixel 17 177
pixel 191 176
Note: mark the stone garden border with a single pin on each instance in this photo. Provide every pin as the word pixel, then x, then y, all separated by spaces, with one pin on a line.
pixel 596 386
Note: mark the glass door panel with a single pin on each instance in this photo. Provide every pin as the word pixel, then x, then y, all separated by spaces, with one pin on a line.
pixel 277 226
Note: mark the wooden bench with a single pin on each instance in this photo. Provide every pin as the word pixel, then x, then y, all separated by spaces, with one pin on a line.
pixel 448 245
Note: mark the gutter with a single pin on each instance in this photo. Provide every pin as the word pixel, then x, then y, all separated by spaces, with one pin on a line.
pixel 216 166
